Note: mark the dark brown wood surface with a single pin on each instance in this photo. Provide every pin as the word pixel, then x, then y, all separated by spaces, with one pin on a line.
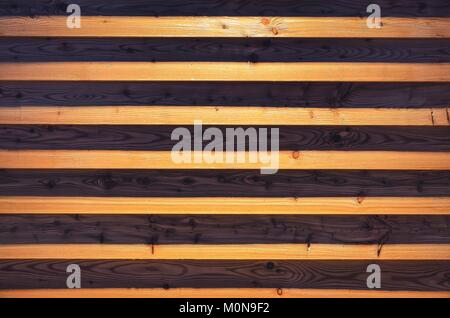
pixel 128 137
pixel 399 275
pixel 220 183
pixel 402 8
pixel 223 49
pixel 223 229
pixel 228 183
pixel 401 95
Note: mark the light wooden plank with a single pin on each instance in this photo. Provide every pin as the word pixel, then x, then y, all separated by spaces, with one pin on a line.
pixel 112 159
pixel 216 293
pixel 225 205
pixel 223 115
pixel 295 251
pixel 225 71
pixel 316 27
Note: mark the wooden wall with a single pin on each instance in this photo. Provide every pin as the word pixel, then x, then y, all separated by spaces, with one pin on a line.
pixel 86 176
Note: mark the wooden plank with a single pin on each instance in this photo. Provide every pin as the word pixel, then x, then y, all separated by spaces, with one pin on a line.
pixel 225 205
pixel 224 183
pixel 134 159
pixel 158 137
pixel 398 275
pixel 222 26
pixel 215 293
pixel 223 49
pixel 284 94
pixel 225 71
pixel 228 251
pixel 223 115
pixel 329 8
pixel 203 229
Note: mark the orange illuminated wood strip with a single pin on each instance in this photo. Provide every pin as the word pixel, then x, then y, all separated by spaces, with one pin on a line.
pixel 112 159
pixel 317 27
pixel 223 115
pixel 216 293
pixel 218 205
pixel 225 71
pixel 228 251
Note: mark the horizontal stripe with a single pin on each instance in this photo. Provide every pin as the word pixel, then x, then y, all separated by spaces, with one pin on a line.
pixel 224 183
pixel 224 50
pixel 395 275
pixel 225 71
pixel 203 229
pixel 228 251
pixel 187 115
pixel 158 137
pixel 318 27
pixel 316 94
pixel 216 293
pixel 332 8
pixel 222 205
pixel 111 159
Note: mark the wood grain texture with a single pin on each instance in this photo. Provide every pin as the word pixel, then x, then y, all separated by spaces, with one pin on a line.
pixel 224 49
pixel 167 275
pixel 329 8
pixel 365 171
pixel 246 293
pixel 225 71
pixel 158 137
pixel 225 205
pixel 228 251
pixel 223 115
pixel 224 183
pixel 223 26
pixel 309 159
pixel 223 229
pixel 316 94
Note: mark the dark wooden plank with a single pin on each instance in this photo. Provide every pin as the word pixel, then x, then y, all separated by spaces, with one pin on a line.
pixel 359 95
pixel 401 8
pixel 223 49
pixel 223 229
pixel 220 183
pixel 159 137
pixel 395 275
